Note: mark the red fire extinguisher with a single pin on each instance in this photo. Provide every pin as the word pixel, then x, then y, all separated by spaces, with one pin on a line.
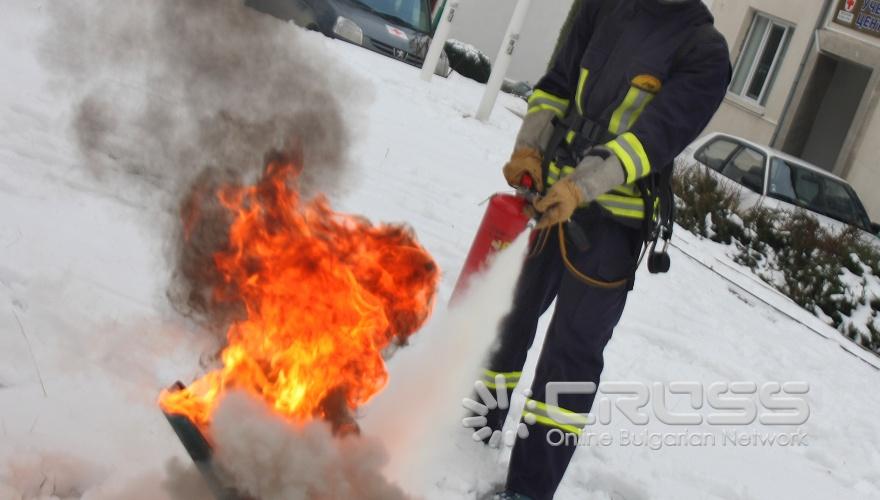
pixel 505 219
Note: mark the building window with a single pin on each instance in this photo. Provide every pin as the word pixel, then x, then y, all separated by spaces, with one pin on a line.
pixel 760 59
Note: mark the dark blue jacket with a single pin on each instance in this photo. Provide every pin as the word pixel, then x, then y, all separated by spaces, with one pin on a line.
pixel 663 69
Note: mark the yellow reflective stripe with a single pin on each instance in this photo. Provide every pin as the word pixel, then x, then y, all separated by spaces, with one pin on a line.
pixel 553 174
pixel 629 110
pixel 628 101
pixel 545 107
pixel 508 385
pixel 549 410
pixel 632 155
pixel 543 95
pixel 508 375
pixel 542 100
pixel 623 206
pixel 511 379
pixel 549 422
pixel 567 171
pixel 627 190
pixel 579 95
pixel 570 137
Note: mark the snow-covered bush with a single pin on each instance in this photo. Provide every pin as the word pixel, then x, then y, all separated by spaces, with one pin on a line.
pixel 835 274
pixel 468 61
pixel 704 206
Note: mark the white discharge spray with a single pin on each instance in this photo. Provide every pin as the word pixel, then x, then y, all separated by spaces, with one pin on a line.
pixel 420 411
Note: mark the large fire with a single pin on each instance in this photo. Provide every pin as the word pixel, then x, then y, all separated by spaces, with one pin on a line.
pixel 324 293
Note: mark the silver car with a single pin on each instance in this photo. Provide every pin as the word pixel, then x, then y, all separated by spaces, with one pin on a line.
pixel 770 178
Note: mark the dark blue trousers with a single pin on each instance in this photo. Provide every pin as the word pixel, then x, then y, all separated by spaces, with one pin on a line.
pixel 582 324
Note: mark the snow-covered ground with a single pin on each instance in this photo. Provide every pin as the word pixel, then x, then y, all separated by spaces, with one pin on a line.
pixel 87 338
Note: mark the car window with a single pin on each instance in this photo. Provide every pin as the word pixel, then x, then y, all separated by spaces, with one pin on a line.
pixel 747 168
pixel 413 12
pixel 816 192
pixel 715 154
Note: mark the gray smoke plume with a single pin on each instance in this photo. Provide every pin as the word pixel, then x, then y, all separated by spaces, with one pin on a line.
pixel 183 95
pixel 271 459
pixel 172 86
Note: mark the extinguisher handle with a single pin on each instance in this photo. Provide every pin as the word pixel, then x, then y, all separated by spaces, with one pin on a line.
pixel 527 182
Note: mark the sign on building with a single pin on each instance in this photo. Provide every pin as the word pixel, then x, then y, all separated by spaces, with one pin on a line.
pixel 860 15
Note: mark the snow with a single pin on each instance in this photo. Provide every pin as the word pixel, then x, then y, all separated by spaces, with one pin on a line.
pixel 87 338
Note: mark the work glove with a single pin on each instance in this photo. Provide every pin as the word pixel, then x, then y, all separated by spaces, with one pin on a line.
pixel 531 142
pixel 525 161
pixel 559 203
pixel 599 172
pixel 536 130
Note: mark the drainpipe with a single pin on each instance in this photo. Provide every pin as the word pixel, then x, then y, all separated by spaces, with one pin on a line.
pixel 814 42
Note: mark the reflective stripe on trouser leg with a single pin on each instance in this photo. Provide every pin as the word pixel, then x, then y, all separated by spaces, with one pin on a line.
pixel 490 378
pixel 535 290
pixel 555 417
pixel 582 324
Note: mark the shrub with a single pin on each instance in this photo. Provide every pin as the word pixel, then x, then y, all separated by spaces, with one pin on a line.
pixel 833 274
pixel 468 61
pixel 704 206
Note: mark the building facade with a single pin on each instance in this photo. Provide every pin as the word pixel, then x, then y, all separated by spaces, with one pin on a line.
pixel 805 82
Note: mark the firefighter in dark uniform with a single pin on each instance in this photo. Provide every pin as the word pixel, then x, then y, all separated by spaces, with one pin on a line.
pixel 635 82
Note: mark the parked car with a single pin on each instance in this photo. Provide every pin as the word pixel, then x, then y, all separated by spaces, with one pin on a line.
pixel 771 178
pixel 400 29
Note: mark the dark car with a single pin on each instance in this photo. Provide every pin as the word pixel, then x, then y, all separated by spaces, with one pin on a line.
pixel 400 29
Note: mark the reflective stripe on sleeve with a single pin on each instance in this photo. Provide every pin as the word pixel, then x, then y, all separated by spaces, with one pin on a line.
pixel 541 100
pixel 628 112
pixel 579 95
pixel 630 207
pixel 632 155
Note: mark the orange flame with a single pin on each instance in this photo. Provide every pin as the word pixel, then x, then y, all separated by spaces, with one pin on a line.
pixel 324 294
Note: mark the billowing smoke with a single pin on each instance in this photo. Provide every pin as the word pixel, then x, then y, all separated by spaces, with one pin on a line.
pixel 271 459
pixel 170 87
pixel 183 95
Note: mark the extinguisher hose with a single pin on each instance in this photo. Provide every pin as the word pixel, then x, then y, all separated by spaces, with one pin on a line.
pixel 581 276
pixel 540 243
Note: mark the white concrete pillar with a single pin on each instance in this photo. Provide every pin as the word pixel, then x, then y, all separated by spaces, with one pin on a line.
pixel 502 62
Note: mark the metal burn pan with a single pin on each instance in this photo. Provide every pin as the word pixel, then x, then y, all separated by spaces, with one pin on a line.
pixel 202 454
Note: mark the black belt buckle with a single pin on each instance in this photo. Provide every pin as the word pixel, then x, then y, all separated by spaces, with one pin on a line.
pixel 577 235
pixel 592 131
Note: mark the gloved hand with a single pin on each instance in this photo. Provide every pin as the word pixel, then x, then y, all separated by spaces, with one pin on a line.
pixel 524 161
pixel 559 203
pixel 599 172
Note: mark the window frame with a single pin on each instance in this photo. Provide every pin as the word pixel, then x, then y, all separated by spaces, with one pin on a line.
pixel 700 152
pixel 762 45
pixel 740 145
pixel 864 220
pixel 764 167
